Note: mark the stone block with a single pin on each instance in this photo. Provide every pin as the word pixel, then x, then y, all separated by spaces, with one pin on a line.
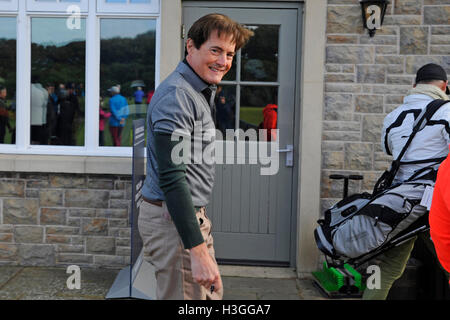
pixel 82 213
pixel 123 251
pixel 385 59
pixel 341 126
pixel 343 87
pixel 101 184
pixel 100 245
pixel 413 63
pixel 57 239
pixel 369 103
pixel 8 252
pixel 6 228
pixel 36 255
pixel 350 54
pixel 118 223
pixel 339 77
pixel 440 30
pixel 96 226
pixel 73 258
pixel 436 15
pixel 407 80
pixel 86 198
pixel 408 7
pixel 348 68
pixel 62 230
pixel 117 194
pixel 393 99
pixel 64 248
pixel 441 39
pixel 371 130
pixel 384 40
pixel 341 136
pixel 50 198
pixel 6 237
pixel 332 68
pixel 332 160
pixel 338 38
pixel 394 69
pixel 435 2
pixel 123 242
pixel 28 234
pixel 32 193
pixel 20 211
pixel 386 50
pixel 119 204
pixel 67 181
pixel 74 222
pixel 344 19
pixel 399 20
pixel 112 213
pixel 111 261
pixel 51 216
pixel 12 188
pixel 414 40
pixel 440 50
pixel 358 156
pixel 391 89
pixel 36 184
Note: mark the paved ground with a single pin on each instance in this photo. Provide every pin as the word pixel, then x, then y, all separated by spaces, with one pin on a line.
pixel 240 283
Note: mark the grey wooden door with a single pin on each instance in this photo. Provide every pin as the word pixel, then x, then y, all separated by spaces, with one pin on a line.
pixel 251 212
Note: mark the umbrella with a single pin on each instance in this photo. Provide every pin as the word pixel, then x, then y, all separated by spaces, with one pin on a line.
pixel 137 83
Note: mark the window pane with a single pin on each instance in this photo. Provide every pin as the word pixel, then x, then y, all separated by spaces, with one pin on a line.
pixel 127 65
pixel 225 108
pixel 7 80
pixel 57 77
pixel 260 55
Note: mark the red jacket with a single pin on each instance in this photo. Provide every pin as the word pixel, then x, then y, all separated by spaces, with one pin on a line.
pixel 270 121
pixel 440 215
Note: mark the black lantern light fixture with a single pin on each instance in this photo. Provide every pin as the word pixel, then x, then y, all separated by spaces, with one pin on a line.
pixel 373 12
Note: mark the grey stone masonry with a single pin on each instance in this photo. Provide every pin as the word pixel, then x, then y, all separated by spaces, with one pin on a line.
pixel 366 78
pixel 63 219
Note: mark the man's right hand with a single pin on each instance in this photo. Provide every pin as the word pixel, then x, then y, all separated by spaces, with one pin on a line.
pixel 204 270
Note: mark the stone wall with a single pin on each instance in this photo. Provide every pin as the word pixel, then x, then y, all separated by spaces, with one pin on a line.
pixel 366 78
pixel 63 219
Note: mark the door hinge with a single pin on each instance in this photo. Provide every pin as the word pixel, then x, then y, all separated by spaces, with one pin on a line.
pixel 183 31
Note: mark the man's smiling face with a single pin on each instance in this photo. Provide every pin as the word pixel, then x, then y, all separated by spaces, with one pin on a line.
pixel 214 57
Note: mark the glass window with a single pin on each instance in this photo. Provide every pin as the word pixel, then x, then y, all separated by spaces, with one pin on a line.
pixel 57 5
pixel 57 82
pixel 134 6
pixel 8 5
pixel 252 86
pixel 7 80
pixel 127 76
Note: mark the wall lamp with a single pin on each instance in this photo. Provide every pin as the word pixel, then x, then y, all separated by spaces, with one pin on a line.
pixel 373 12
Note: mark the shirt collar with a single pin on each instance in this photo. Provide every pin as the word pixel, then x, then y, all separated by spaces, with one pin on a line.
pixel 192 77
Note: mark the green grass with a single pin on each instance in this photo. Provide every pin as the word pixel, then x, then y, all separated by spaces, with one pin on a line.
pixel 253 115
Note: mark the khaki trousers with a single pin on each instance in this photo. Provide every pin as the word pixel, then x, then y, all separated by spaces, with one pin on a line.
pixel 164 249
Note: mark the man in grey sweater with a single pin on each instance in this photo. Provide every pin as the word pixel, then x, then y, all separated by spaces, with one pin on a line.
pixel 172 222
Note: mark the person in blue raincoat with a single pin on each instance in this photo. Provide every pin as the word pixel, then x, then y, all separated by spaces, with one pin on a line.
pixel 118 106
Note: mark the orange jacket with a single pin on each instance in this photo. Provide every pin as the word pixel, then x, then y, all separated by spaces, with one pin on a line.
pixel 440 215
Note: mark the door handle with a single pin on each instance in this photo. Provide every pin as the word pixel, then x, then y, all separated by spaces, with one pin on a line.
pixel 289 155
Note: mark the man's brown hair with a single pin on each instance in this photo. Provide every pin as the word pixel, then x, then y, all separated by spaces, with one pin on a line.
pixel 203 27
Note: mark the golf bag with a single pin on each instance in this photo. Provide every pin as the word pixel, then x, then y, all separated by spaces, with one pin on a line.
pixel 363 223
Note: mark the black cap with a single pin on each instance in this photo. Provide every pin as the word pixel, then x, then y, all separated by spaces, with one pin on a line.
pixel 430 72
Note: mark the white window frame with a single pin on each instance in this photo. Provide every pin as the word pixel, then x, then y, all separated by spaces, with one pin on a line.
pixel 55 6
pixel 149 8
pixel 9 5
pixel 92 85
